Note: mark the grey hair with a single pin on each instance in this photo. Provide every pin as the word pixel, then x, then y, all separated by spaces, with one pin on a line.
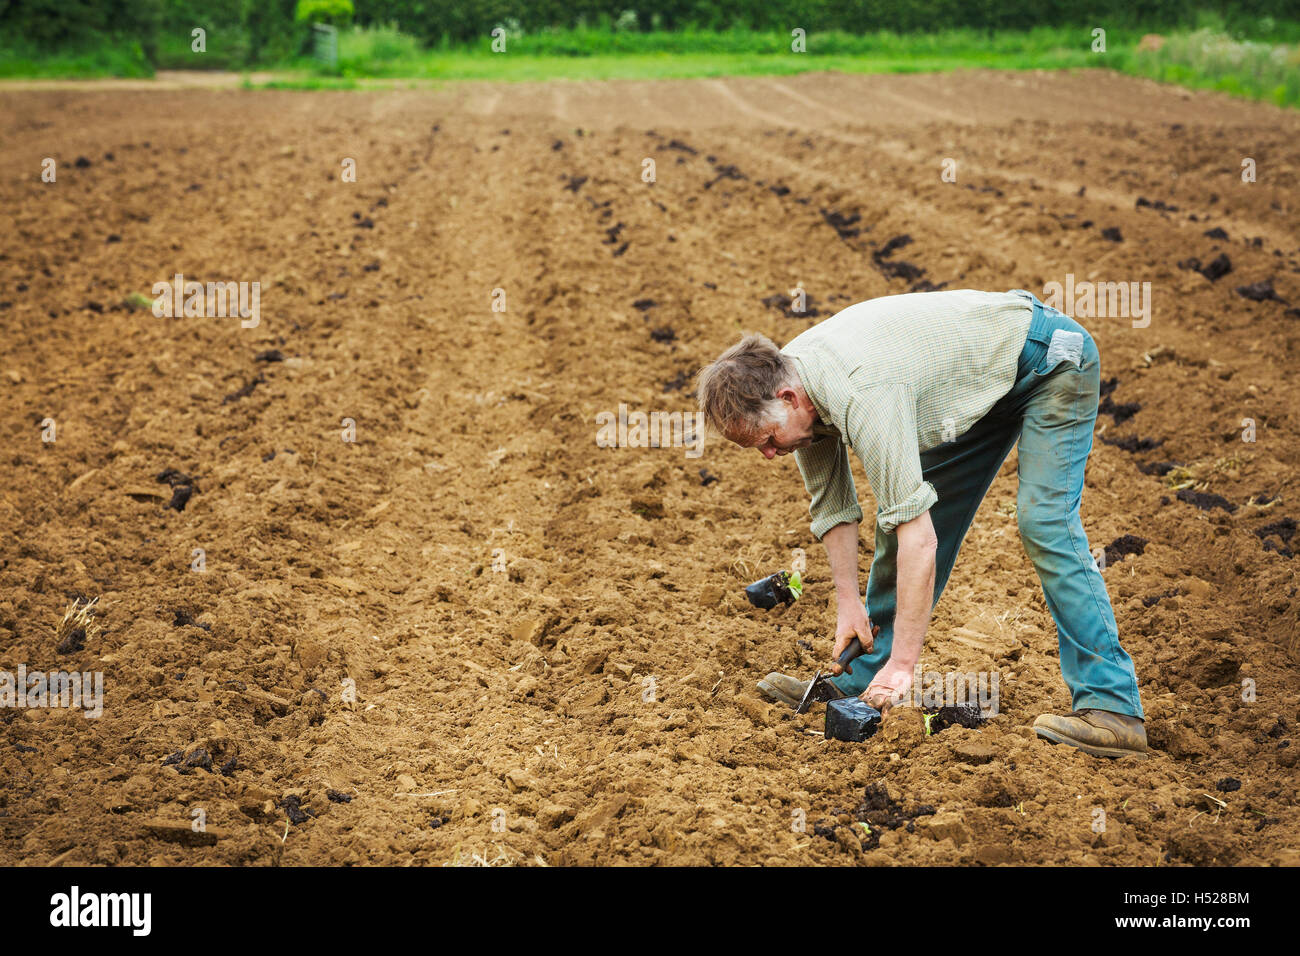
pixel 737 392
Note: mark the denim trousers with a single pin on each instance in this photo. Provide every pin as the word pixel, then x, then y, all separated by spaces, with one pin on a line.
pixel 1051 410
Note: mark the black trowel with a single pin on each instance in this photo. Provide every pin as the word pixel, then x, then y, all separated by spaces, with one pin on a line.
pixel 820 689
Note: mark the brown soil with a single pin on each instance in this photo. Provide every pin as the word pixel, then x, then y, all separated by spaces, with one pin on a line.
pixel 594 701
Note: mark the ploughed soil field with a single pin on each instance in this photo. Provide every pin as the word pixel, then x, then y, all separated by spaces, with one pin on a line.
pixel 472 634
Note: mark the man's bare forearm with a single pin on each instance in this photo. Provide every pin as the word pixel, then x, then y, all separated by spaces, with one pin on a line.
pixel 842 551
pixel 917 546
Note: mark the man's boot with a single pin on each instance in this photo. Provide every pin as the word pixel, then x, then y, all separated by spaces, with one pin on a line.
pixel 1101 733
pixel 790 690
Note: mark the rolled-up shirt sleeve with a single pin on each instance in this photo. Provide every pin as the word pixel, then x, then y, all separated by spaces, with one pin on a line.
pixel 826 474
pixel 880 422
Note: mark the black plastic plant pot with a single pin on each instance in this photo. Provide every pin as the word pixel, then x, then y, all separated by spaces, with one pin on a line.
pixel 851 719
pixel 772 589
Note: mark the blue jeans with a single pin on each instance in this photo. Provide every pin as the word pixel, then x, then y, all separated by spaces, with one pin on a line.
pixel 1051 409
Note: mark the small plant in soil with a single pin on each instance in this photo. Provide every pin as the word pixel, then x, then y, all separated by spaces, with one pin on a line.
pixel 77 627
pixel 876 813
pixel 962 715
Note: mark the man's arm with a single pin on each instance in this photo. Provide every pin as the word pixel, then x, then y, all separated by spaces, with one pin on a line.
pixel 835 517
pixel 824 466
pixel 880 419
pixel 851 615
pixel 917 545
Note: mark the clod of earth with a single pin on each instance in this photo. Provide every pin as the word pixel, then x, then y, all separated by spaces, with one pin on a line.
pixel 677 382
pixel 960 715
pixel 842 224
pixel 725 172
pixel 245 390
pixel 896 269
pixel 1121 412
pixel 1134 444
pixel 75 641
pixel 1123 546
pixel 785 306
pixel 1153 599
pixel 294 810
pixel 180 497
pixel 893 245
pixel 182 485
pixel 1259 291
pixel 1218 267
pixel 1284 529
pixel 1157 204
pixel 200 758
pixel 1206 500
pixel 182 617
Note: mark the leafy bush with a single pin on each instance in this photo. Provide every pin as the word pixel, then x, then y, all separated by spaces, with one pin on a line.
pixel 1211 59
pixel 368 50
pixel 335 13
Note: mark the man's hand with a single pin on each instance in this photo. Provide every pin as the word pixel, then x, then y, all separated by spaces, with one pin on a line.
pixel 851 622
pixel 889 687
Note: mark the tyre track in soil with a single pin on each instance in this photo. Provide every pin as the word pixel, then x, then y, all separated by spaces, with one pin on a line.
pixel 440 674
pixel 600 590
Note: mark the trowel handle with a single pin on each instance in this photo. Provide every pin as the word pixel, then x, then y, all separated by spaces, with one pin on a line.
pixel 853 650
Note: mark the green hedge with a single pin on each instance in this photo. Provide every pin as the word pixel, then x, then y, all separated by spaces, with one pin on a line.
pixel 247 32
pixel 466 20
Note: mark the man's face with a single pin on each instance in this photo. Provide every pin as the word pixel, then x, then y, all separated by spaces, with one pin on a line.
pixel 790 429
